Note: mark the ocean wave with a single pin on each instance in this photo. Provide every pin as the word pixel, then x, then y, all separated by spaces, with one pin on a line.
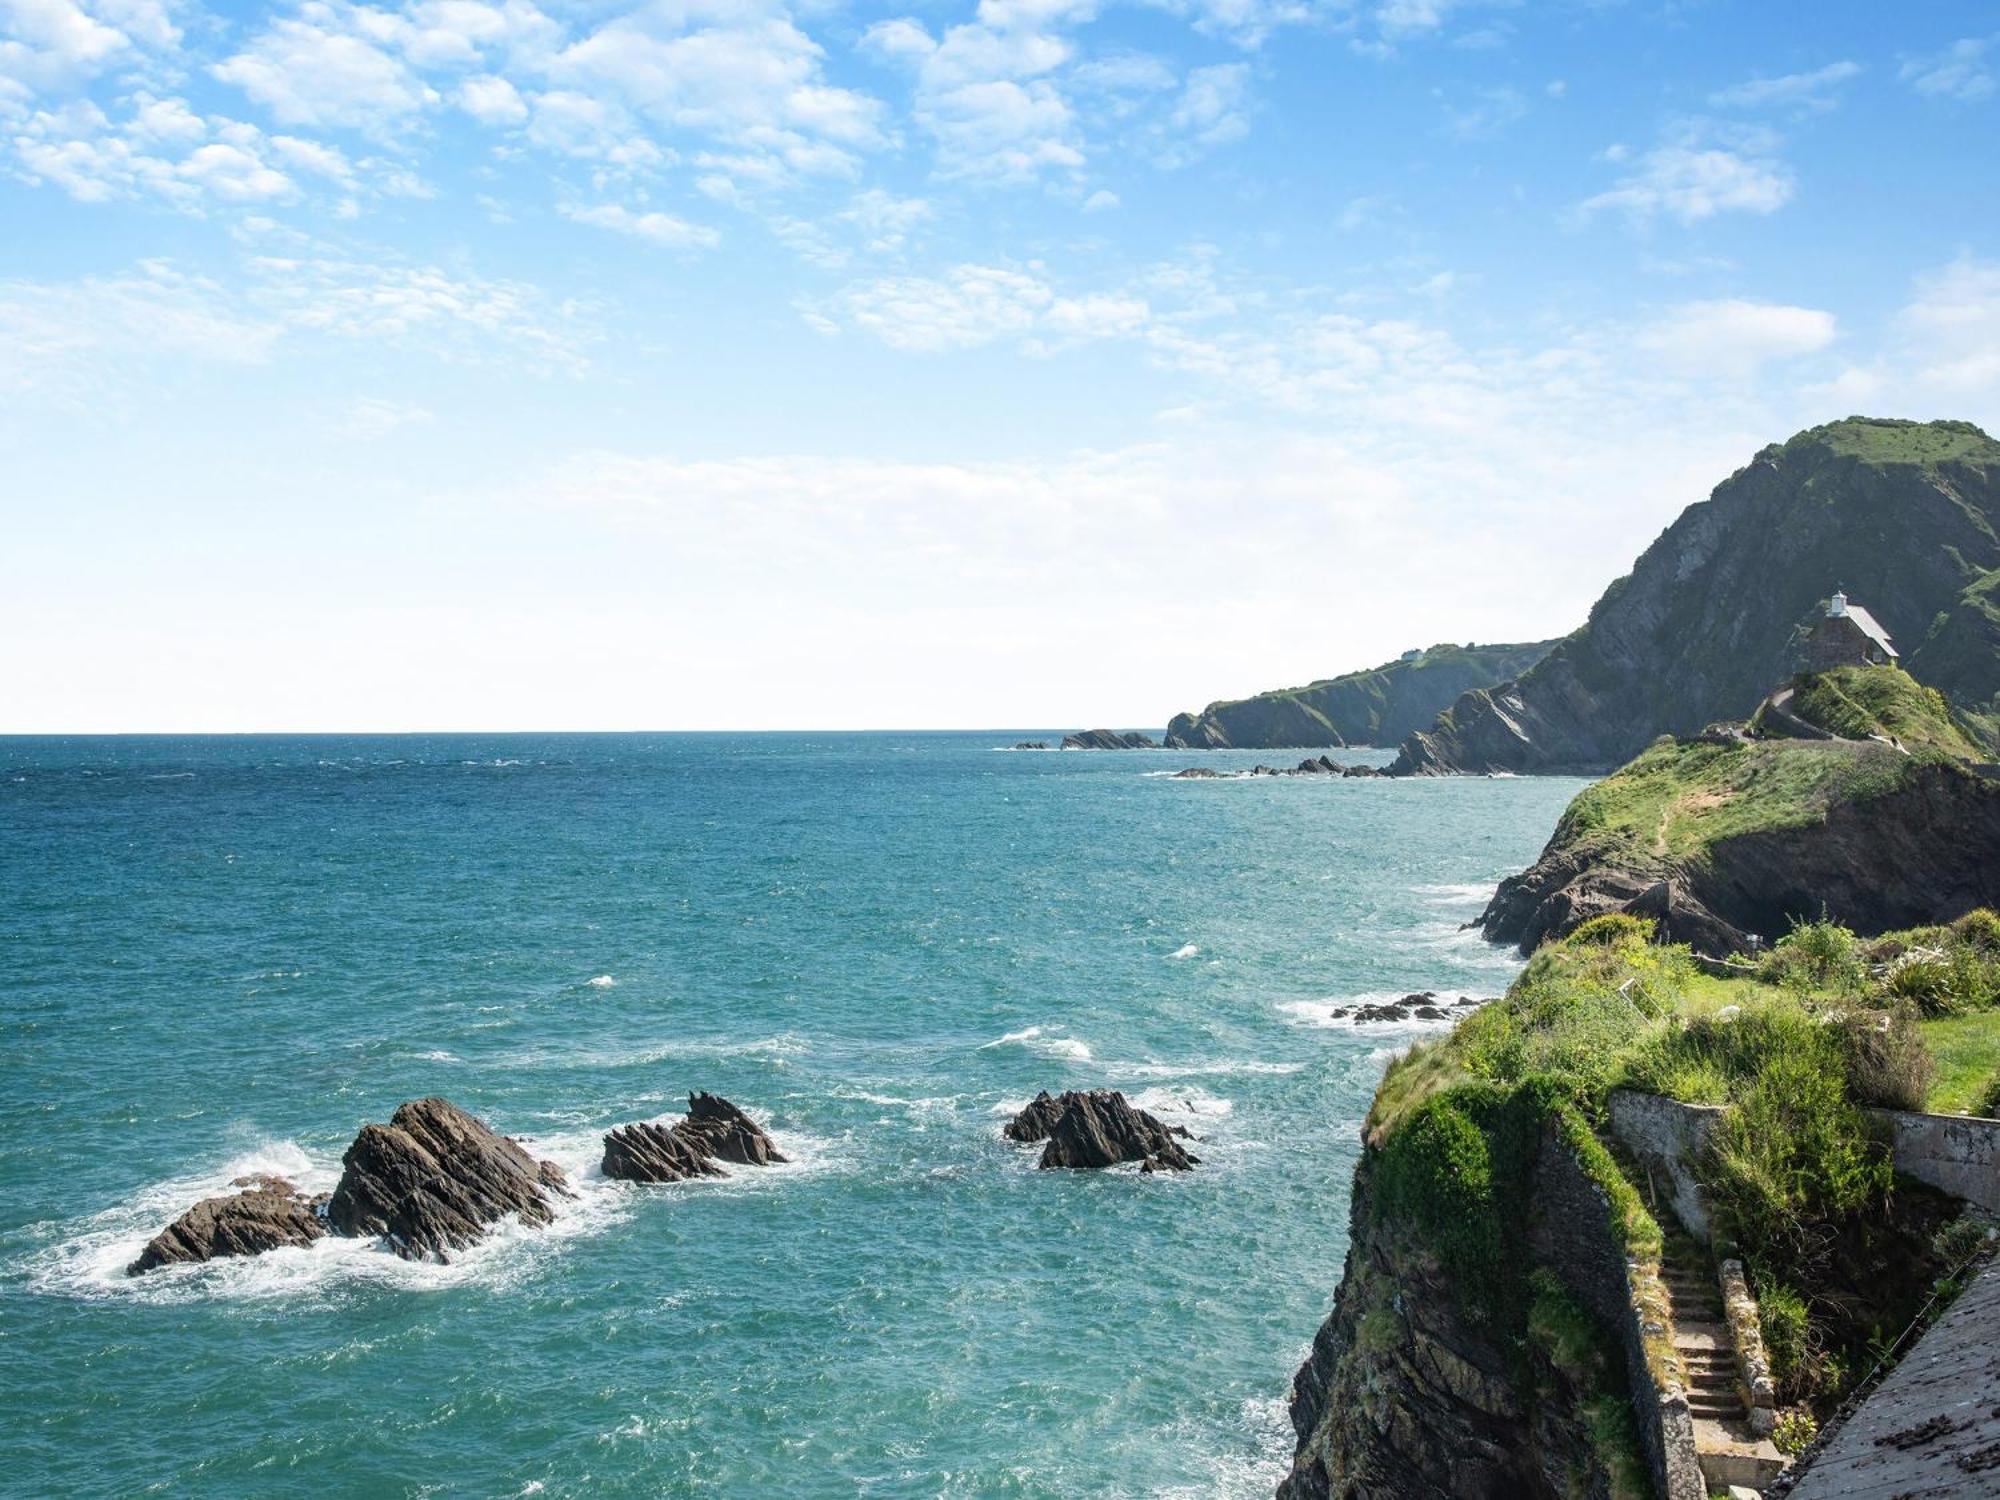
pixel 1032 1039
pixel 1186 950
pixel 1256 1463
pixel 1472 893
pixel 1183 1106
pixel 776 1048
pixel 602 982
pixel 1216 1067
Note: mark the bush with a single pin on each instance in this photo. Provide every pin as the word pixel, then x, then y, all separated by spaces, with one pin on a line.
pixel 1795 1431
pixel 1887 1062
pixel 1987 1106
pixel 1794 1151
pixel 1612 930
pixel 1980 931
pixel 1820 955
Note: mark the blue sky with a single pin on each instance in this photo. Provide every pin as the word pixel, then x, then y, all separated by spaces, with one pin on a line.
pixel 507 364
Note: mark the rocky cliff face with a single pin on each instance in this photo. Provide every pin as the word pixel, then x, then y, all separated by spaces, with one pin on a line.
pixel 1377 707
pixel 1409 1394
pixel 1871 837
pixel 1902 515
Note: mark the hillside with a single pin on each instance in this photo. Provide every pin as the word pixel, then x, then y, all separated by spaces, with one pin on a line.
pixel 1513 1314
pixel 1375 707
pixel 1723 837
pixel 1902 515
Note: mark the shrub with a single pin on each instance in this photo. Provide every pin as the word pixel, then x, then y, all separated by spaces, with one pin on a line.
pixel 1887 1062
pixel 1987 1105
pixel 1436 1174
pixel 1795 1430
pixel 1786 1327
pixel 1793 1151
pixel 1980 931
pixel 1613 929
pixel 1820 955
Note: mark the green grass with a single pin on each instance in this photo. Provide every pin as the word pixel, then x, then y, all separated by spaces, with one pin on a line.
pixel 1889 440
pixel 1678 798
pixel 1967 1051
pixel 1856 702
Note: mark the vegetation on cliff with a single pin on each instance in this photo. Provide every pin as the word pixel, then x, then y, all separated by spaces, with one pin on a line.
pixel 1375 707
pixel 1844 1253
pixel 1723 837
pixel 1904 515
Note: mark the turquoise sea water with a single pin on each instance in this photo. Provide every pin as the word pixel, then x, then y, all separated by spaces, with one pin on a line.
pixel 226 954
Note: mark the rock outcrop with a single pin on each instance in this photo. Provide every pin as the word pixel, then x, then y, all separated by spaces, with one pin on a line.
pixel 268 1214
pixel 1722 842
pixel 1100 1128
pixel 435 1179
pixel 1905 516
pixel 1377 707
pixel 713 1131
pixel 1313 766
pixel 1426 1005
pixel 1107 739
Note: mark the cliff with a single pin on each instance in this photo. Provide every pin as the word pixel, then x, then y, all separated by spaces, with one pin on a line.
pixel 1902 515
pixel 1509 1318
pixel 1376 707
pixel 1722 837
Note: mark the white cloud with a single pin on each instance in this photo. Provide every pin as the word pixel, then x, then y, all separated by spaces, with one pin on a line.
pixel 1951 329
pixel 1732 336
pixel 1962 71
pixel 658 228
pixel 371 417
pixel 1805 93
pixel 44 42
pixel 1101 201
pixel 1691 182
pixel 1487 117
pixel 1212 109
pixel 311 70
pixel 491 100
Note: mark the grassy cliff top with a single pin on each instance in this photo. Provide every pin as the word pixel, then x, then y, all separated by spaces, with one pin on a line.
pixel 1893 440
pixel 1431 656
pixel 1860 702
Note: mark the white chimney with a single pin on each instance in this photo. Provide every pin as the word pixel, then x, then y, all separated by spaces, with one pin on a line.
pixel 1836 607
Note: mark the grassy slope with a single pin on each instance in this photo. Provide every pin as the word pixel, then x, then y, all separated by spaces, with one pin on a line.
pixel 1679 798
pixel 1893 440
pixel 1791 1052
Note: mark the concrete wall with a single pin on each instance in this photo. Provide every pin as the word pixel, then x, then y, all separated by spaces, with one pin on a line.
pixel 1574 1237
pixel 1957 1155
pixel 1664 1137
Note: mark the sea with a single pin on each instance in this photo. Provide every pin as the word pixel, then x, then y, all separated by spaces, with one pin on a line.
pixel 222 955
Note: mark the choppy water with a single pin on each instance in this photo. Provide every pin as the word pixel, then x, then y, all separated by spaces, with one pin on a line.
pixel 224 954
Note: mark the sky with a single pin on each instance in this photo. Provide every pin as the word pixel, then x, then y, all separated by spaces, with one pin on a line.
pixel 744 364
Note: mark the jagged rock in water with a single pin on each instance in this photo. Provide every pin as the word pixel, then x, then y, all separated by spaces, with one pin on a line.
pixel 1198 773
pixel 1034 1122
pixel 1107 739
pixel 720 1129
pixel 267 1214
pixel 647 1152
pixel 1032 745
pixel 1100 1128
pixel 434 1179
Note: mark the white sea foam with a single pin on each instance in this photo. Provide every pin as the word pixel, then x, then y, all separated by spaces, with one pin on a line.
pixel 1033 1039
pixel 438 1055
pixel 602 982
pixel 1186 950
pixel 1216 1067
pixel 1182 1105
pixel 1319 1014
pixel 1474 893
pixel 776 1048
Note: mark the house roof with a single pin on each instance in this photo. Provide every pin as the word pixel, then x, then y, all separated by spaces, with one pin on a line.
pixel 1871 628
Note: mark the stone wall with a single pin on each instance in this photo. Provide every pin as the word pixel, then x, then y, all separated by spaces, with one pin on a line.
pixel 1664 1137
pixel 1574 1237
pixel 1952 1153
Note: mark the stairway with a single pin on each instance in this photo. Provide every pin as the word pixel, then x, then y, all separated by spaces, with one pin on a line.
pixel 1729 1452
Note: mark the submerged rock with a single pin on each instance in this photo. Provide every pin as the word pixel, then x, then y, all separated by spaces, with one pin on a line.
pixel 269 1213
pixel 434 1179
pixel 714 1129
pixel 1425 1005
pixel 1100 1128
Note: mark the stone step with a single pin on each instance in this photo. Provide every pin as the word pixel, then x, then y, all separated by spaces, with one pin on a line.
pixel 1692 1337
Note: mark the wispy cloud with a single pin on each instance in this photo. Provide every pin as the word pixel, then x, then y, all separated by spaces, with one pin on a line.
pixel 1815 92
pixel 1963 71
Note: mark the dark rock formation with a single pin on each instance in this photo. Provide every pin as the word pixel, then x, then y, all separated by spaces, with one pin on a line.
pixel 1424 1006
pixel 714 1130
pixel 1032 745
pixel 1904 516
pixel 434 1179
pixel 1896 842
pixel 267 1214
pixel 1313 766
pixel 723 1130
pixel 646 1152
pixel 1107 739
pixel 1377 707
pixel 1100 1128
pixel 1411 1391
pixel 1036 1121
